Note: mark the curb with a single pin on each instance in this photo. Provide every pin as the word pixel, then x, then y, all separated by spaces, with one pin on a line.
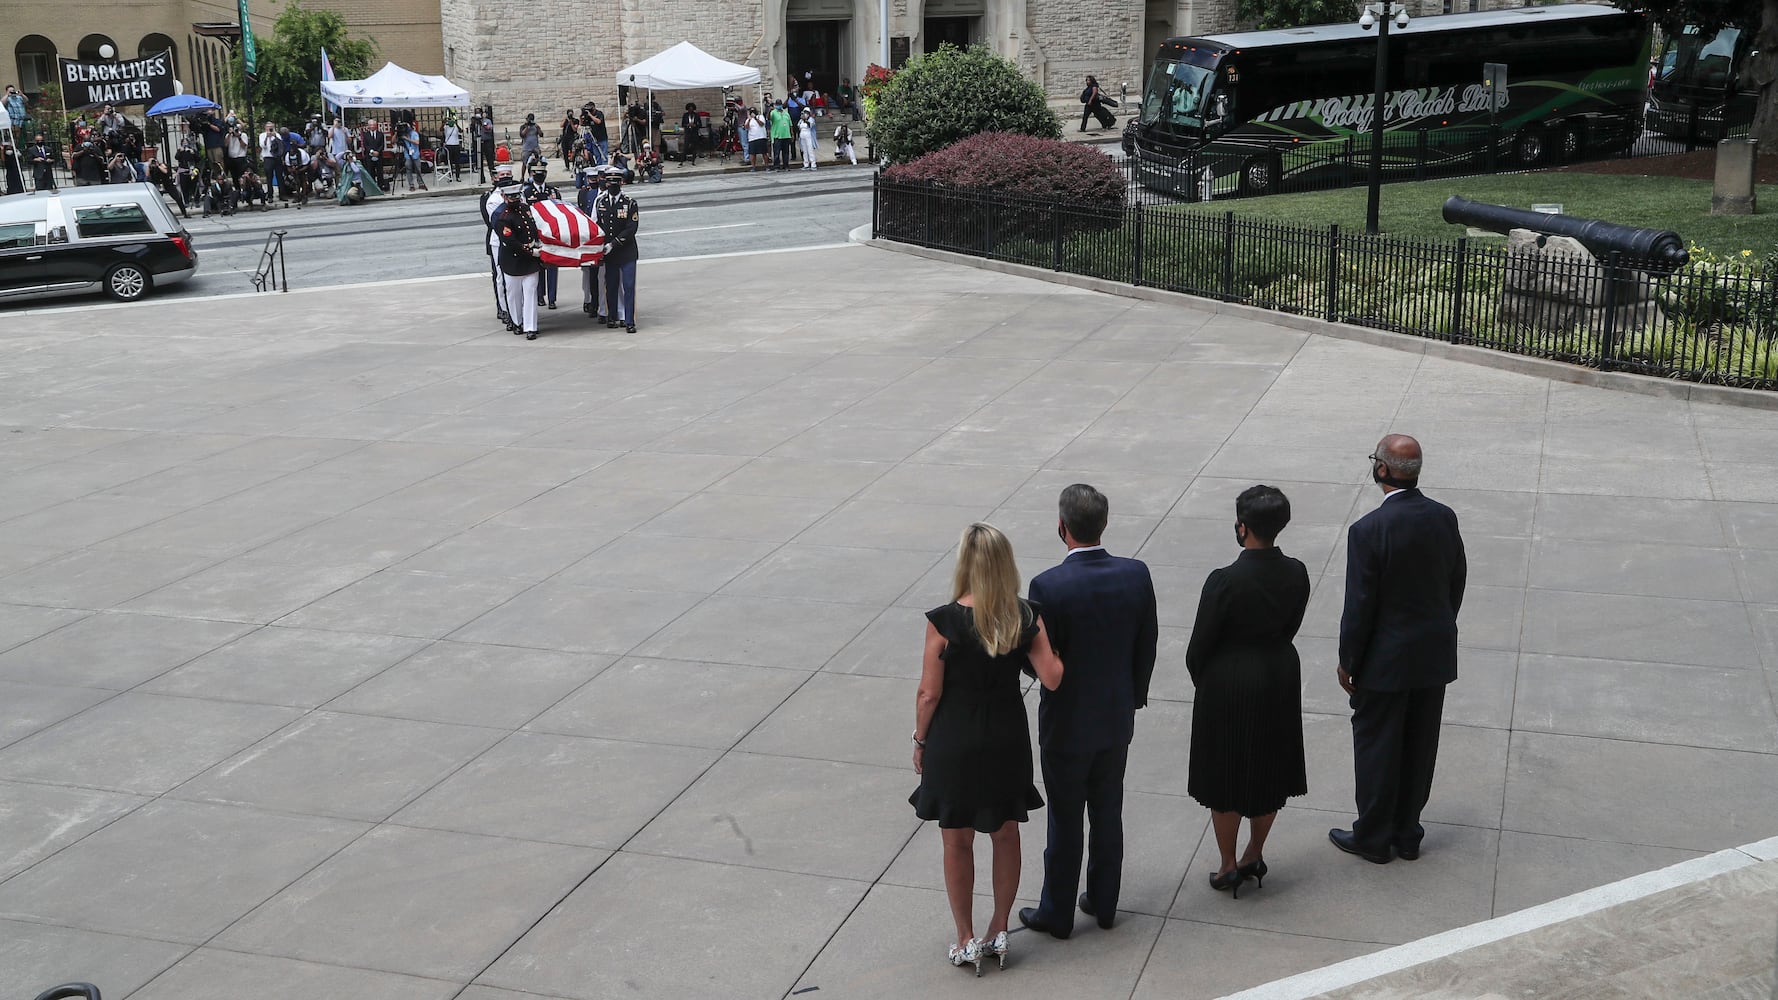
pixel 1358 970
pixel 1645 385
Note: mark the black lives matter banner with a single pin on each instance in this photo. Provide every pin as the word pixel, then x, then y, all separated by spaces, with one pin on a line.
pixel 124 82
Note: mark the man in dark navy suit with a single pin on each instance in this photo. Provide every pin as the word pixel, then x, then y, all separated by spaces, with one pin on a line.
pixel 1405 572
pixel 1099 610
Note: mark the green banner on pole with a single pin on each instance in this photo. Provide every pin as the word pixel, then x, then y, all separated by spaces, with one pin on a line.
pixel 249 51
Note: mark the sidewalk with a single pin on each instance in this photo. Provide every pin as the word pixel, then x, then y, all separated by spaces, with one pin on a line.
pixel 1706 928
pixel 354 645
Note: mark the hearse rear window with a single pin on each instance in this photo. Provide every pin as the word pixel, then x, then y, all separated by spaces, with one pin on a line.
pixel 21 234
pixel 111 220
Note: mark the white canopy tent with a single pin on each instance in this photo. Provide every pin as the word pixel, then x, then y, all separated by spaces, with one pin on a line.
pixel 685 67
pixel 394 87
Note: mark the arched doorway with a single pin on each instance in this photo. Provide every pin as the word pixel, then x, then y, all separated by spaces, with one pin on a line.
pixel 35 56
pixel 93 48
pixel 154 42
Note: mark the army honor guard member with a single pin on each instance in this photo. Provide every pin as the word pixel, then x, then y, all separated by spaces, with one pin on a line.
pixel 618 220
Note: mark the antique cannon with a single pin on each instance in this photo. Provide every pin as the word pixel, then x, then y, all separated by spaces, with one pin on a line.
pixel 1647 249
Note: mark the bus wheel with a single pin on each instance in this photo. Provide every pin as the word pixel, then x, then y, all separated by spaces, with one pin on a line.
pixel 1530 148
pixel 1259 175
pixel 1574 145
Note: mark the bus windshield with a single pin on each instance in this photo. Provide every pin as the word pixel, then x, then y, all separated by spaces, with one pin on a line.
pixel 1698 60
pixel 1176 93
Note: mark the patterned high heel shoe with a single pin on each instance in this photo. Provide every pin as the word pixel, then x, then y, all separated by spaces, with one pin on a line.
pixel 996 947
pixel 968 954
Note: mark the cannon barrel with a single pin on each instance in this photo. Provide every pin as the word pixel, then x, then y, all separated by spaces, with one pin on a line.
pixel 1660 247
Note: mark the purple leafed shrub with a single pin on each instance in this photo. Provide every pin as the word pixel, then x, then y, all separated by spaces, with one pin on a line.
pixel 1049 169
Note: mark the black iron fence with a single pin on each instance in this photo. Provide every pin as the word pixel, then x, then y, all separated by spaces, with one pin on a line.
pixel 1710 322
pixel 1227 170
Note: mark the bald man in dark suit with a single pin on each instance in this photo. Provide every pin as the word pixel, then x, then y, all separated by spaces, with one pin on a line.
pixel 1405 573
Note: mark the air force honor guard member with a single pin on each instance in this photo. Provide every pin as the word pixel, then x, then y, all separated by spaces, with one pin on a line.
pixel 520 245
pixel 618 220
pixel 491 203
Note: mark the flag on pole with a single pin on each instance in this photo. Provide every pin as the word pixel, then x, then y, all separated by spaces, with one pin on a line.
pixel 249 49
pixel 570 237
pixel 327 77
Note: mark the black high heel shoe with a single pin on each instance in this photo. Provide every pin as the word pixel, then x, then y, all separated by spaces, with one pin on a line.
pixel 1256 871
pixel 1228 881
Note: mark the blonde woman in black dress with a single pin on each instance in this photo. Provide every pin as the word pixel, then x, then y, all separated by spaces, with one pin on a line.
pixel 972 747
pixel 1247 716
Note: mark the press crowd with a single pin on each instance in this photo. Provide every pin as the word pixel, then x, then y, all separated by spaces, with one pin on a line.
pixel 219 165
pixel 762 136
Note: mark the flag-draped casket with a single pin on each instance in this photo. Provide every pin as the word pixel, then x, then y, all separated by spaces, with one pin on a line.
pixel 570 237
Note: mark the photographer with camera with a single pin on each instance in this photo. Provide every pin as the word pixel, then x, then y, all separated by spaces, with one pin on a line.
pixel 185 169
pixel 214 134
pixel 117 169
pixel 234 150
pixel 635 128
pixel 248 190
pixel 598 140
pixel 89 164
pixel 162 176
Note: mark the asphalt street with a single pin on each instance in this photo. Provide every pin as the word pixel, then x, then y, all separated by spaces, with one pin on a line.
pixel 395 238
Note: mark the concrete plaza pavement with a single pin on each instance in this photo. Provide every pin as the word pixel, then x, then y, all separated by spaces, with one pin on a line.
pixel 349 643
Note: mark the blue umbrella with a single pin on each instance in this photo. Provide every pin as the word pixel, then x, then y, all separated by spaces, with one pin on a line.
pixel 180 104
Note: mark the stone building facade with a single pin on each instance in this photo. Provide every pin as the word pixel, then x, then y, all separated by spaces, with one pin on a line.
pixel 34 32
pixel 545 56
pixel 542 56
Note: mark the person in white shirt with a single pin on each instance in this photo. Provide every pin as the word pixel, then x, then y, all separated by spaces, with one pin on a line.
pixel 270 152
pixel 235 148
pixel 805 138
pixel 453 141
pixel 758 137
pixel 338 140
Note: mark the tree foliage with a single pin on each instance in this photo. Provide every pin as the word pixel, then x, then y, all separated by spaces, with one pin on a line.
pixel 288 90
pixel 939 98
pixel 1757 16
pixel 1270 14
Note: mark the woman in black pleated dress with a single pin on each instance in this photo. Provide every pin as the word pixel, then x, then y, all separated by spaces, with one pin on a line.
pixel 1247 717
pixel 972 747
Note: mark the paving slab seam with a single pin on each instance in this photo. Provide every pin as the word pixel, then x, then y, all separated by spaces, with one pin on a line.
pixel 1646 385
pixel 622 848
pixel 1352 972
pixel 477 275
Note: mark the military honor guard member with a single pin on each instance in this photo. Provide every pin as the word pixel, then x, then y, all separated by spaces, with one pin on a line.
pixel 491 202
pixel 520 245
pixel 538 188
pixel 619 219
pixel 592 277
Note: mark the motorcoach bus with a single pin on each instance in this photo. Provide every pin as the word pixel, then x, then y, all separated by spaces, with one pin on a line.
pixel 1256 112
pixel 1696 93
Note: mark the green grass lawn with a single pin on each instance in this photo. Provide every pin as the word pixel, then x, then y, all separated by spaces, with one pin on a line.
pixel 1413 209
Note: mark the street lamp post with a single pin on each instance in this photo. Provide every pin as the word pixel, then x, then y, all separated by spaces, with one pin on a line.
pixel 1379 15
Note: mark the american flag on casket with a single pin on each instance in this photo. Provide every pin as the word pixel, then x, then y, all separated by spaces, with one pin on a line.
pixel 570 237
